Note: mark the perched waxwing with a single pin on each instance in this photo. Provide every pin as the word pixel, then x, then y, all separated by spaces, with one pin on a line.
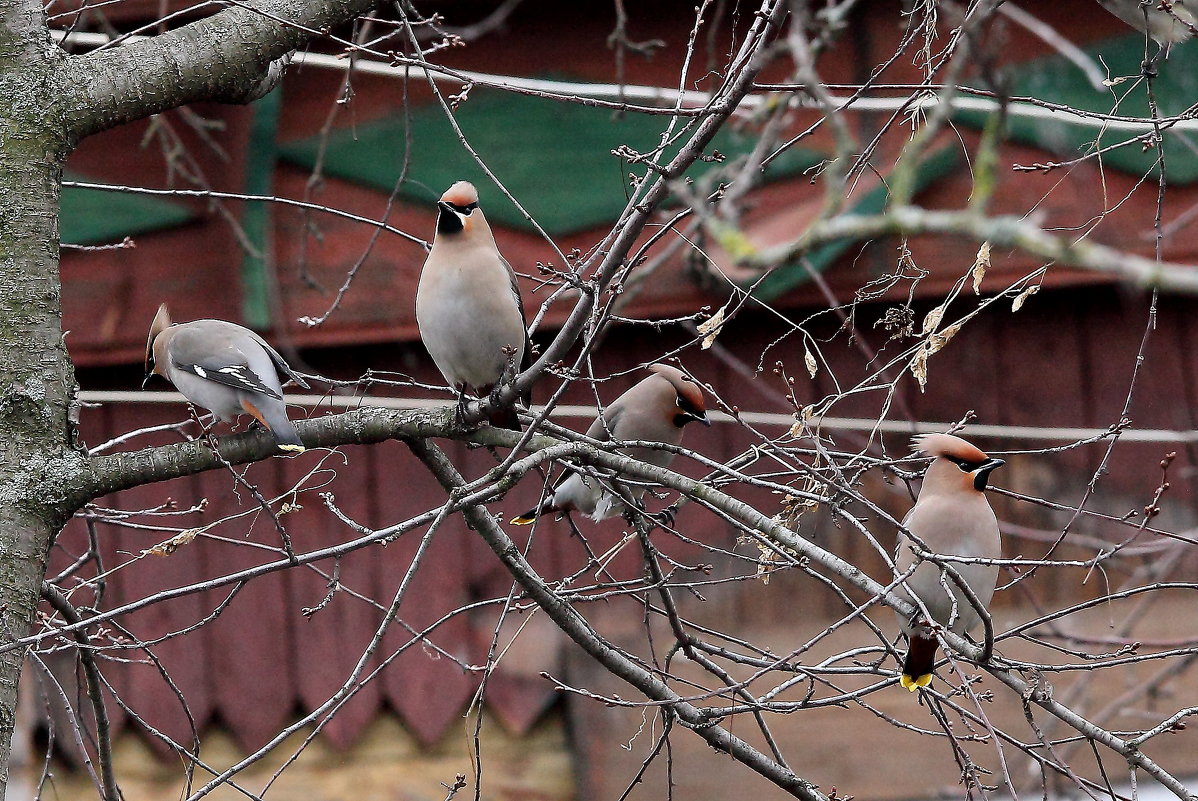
pixel 655 410
pixel 951 517
pixel 1166 27
pixel 468 304
pixel 227 369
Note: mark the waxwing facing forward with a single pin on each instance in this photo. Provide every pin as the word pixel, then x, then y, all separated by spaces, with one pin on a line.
pixel 468 304
pixel 225 368
pixel 655 410
pixel 1165 27
pixel 951 518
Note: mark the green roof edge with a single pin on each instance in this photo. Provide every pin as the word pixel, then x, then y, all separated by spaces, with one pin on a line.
pixel 786 277
pixel 255 216
pixel 120 214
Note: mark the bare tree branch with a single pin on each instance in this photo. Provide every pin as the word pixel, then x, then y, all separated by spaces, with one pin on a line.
pixel 576 626
pixel 226 57
pixel 1000 232
pixel 110 791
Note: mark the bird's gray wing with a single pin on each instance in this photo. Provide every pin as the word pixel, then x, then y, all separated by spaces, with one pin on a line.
pixel 280 362
pixel 605 423
pixel 600 431
pixel 525 362
pixel 220 362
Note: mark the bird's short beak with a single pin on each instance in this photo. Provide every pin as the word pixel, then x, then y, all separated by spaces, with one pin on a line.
pixel 982 475
pixel 149 375
pixel 702 418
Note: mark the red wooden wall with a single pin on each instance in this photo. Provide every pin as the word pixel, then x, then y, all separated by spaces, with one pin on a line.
pixel 1065 360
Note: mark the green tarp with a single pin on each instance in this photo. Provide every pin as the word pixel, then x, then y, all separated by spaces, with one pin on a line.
pixel 554 157
pixel 786 277
pixel 1057 80
pixel 98 216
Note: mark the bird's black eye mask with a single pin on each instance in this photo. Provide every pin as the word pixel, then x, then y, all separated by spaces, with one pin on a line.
pixel 688 411
pixel 980 469
pixel 449 221
pixel 965 465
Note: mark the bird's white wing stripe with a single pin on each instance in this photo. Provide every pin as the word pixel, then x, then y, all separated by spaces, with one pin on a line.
pixel 239 376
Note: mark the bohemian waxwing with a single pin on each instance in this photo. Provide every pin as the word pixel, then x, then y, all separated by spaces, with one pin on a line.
pixel 468 304
pixel 952 518
pixel 1164 27
pixel 227 369
pixel 655 410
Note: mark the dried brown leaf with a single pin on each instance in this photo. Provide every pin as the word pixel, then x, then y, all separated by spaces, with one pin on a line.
pixel 939 340
pixel 919 366
pixel 932 321
pixel 809 360
pixel 710 328
pixel 1017 304
pixel 802 420
pixel 170 546
pixel 769 557
pixel 980 265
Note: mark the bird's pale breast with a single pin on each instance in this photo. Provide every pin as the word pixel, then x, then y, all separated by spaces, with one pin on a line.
pixel 467 314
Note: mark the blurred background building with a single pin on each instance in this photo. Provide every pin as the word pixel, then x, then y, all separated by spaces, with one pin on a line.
pixel 241 657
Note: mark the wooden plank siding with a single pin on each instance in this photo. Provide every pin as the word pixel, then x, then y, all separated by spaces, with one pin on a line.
pixel 110 296
pixel 1064 360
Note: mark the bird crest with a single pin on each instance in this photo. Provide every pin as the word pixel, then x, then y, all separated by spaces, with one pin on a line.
pixel 162 321
pixel 691 403
pixel 685 386
pixel 947 445
pixel 462 193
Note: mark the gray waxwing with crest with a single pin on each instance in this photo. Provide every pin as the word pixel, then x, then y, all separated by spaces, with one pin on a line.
pixel 468 304
pixel 225 368
pixel 654 410
pixel 951 517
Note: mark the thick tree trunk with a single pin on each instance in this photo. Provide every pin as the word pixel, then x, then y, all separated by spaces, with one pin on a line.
pixel 37 461
pixel 36 380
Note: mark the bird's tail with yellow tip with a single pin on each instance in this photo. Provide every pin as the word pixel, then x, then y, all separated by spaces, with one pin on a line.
pixel 272 414
pixel 917 667
pixel 532 514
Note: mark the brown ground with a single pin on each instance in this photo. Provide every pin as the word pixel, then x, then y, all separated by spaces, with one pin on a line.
pixel 857 752
pixel 854 749
pixel 385 765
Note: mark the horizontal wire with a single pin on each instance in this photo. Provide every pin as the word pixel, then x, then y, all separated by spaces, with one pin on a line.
pixel 693 99
pixel 660 94
pixel 1027 433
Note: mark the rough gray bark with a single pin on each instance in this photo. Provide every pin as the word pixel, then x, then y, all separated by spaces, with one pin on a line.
pixel 51 101
pixel 56 101
pixel 222 58
pixel 36 378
